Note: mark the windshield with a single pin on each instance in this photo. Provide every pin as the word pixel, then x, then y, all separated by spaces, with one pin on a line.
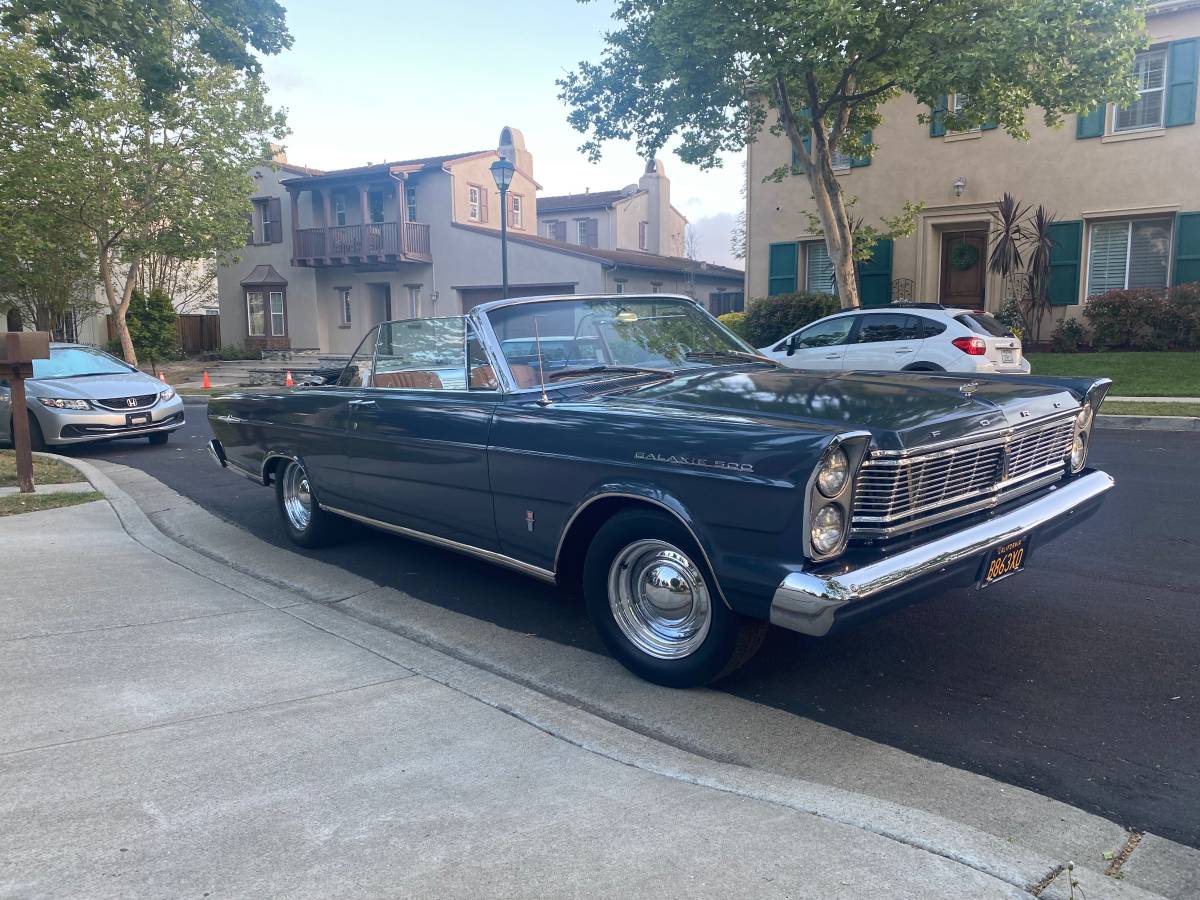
pixel 65 362
pixel 582 338
pixel 985 324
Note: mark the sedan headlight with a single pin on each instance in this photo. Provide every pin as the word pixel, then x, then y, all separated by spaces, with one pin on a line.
pixel 828 526
pixel 168 394
pixel 833 472
pixel 1083 421
pixel 1079 451
pixel 59 403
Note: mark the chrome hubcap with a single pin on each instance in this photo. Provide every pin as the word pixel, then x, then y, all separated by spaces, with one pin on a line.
pixel 659 599
pixel 297 498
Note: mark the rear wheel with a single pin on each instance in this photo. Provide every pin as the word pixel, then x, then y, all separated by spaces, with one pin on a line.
pixel 655 604
pixel 159 438
pixel 307 524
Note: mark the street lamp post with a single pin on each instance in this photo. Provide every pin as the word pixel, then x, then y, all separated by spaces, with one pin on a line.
pixel 502 171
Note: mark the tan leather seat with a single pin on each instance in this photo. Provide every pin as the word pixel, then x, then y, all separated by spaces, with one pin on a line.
pixel 483 378
pixel 417 378
pixel 524 376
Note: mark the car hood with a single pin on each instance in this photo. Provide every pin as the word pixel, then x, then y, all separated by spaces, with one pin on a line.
pixel 901 410
pixel 94 387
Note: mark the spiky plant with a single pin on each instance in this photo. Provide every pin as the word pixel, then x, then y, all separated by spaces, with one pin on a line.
pixel 1040 243
pixel 1007 236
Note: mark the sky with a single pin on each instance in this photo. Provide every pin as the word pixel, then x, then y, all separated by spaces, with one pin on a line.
pixel 370 81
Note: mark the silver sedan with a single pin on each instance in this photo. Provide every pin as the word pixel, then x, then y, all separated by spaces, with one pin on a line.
pixel 81 394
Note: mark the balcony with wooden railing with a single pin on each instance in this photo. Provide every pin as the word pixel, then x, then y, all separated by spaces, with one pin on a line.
pixel 374 242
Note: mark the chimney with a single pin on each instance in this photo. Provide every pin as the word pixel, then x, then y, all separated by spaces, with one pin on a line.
pixel 658 187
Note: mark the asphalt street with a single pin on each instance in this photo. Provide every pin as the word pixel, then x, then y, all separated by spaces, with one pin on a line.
pixel 1079 679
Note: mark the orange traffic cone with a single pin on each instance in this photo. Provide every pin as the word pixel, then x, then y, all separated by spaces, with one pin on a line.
pixel 207 384
pixel 162 376
pixel 287 382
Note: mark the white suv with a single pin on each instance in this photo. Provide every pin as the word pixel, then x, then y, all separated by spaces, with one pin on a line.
pixel 916 337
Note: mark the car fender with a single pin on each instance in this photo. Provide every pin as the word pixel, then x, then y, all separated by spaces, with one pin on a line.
pixel 644 492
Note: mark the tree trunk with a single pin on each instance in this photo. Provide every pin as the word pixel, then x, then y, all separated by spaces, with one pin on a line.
pixel 120 304
pixel 835 220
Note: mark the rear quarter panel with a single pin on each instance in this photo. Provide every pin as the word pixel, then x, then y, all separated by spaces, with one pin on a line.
pixel 308 423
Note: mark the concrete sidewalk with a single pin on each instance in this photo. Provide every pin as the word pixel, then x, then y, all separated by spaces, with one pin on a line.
pixel 176 726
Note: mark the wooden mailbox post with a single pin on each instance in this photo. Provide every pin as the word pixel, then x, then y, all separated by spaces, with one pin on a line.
pixel 17 353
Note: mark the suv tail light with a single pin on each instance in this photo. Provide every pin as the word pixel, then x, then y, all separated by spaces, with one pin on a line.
pixel 972 346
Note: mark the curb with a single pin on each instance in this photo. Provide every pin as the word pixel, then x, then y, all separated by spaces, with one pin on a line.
pixel 1149 423
pixel 1018 869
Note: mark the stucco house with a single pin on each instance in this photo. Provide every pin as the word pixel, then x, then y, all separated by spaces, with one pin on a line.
pixel 1123 183
pixel 332 253
pixel 636 217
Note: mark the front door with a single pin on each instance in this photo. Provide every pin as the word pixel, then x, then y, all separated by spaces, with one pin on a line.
pixel 964 267
pixel 419 434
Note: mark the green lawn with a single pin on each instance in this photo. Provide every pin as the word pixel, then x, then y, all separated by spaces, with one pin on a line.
pixel 45 471
pixel 1149 409
pixel 1133 374
pixel 15 504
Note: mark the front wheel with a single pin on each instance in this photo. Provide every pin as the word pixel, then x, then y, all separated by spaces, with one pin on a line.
pixel 307 524
pixel 651 597
pixel 159 438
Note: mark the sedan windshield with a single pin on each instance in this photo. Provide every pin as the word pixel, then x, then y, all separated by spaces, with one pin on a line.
pixel 585 338
pixel 69 362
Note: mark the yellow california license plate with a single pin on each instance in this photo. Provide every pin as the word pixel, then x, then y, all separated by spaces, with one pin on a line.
pixel 1007 559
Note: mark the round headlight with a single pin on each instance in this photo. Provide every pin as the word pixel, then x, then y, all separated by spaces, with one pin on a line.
pixel 827 527
pixel 1083 420
pixel 831 476
pixel 1078 451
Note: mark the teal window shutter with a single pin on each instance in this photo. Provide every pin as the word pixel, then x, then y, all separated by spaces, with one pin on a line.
pixel 1092 124
pixel 803 123
pixel 1065 261
pixel 1182 59
pixel 875 275
pixel 781 268
pixel 1186 266
pixel 937 123
pixel 857 162
pixel 988 125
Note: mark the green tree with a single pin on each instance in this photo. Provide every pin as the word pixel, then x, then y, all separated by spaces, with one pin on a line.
pixel 818 72
pixel 152 326
pixel 137 181
pixel 79 35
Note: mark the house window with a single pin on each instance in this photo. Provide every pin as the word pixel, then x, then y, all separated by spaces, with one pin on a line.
pixel 618 285
pixel 1134 254
pixel 516 218
pixel 278 315
pixel 474 203
pixel 839 159
pixel 818 268
pixel 375 206
pixel 339 209
pixel 344 306
pixel 643 233
pixel 581 232
pixel 264 215
pixel 414 301
pixel 410 196
pixel 550 230
pixel 256 314
pixel 656 287
pixel 1149 74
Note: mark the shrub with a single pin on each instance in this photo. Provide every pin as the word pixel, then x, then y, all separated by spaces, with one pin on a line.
pixel 772 318
pixel 1011 316
pixel 1146 318
pixel 735 322
pixel 1068 335
pixel 153 327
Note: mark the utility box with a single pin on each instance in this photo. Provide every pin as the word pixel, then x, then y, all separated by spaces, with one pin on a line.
pixel 17 353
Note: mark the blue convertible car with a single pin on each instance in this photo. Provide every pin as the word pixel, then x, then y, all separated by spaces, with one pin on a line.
pixel 632 448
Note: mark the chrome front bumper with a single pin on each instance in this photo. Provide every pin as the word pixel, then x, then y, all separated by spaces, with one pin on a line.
pixel 810 603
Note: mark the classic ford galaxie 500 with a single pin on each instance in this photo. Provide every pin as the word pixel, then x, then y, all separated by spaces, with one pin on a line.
pixel 632 448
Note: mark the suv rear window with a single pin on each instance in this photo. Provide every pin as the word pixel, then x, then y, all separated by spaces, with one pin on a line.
pixel 984 323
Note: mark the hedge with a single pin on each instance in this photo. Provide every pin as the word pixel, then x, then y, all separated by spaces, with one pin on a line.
pixel 1145 318
pixel 772 318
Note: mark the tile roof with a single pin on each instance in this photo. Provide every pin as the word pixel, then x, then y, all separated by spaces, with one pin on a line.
pixel 589 200
pixel 264 274
pixel 425 162
pixel 630 258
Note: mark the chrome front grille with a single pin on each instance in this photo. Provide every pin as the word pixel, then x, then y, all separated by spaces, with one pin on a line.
pixel 897 494
pixel 122 404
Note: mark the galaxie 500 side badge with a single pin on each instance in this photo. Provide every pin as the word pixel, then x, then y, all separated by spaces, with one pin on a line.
pixel 694 461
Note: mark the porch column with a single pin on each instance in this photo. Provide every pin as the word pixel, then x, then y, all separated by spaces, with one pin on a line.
pixel 294 197
pixel 327 203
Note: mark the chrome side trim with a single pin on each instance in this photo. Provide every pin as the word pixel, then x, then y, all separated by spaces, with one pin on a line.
pixel 217 452
pixel 271 454
pixel 489 555
pixel 562 537
pixel 808 603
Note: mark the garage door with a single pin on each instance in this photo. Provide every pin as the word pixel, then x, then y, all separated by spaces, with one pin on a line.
pixel 473 296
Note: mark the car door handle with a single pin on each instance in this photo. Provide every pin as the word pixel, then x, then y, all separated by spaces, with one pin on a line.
pixel 834 356
pixel 909 350
pixel 362 404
